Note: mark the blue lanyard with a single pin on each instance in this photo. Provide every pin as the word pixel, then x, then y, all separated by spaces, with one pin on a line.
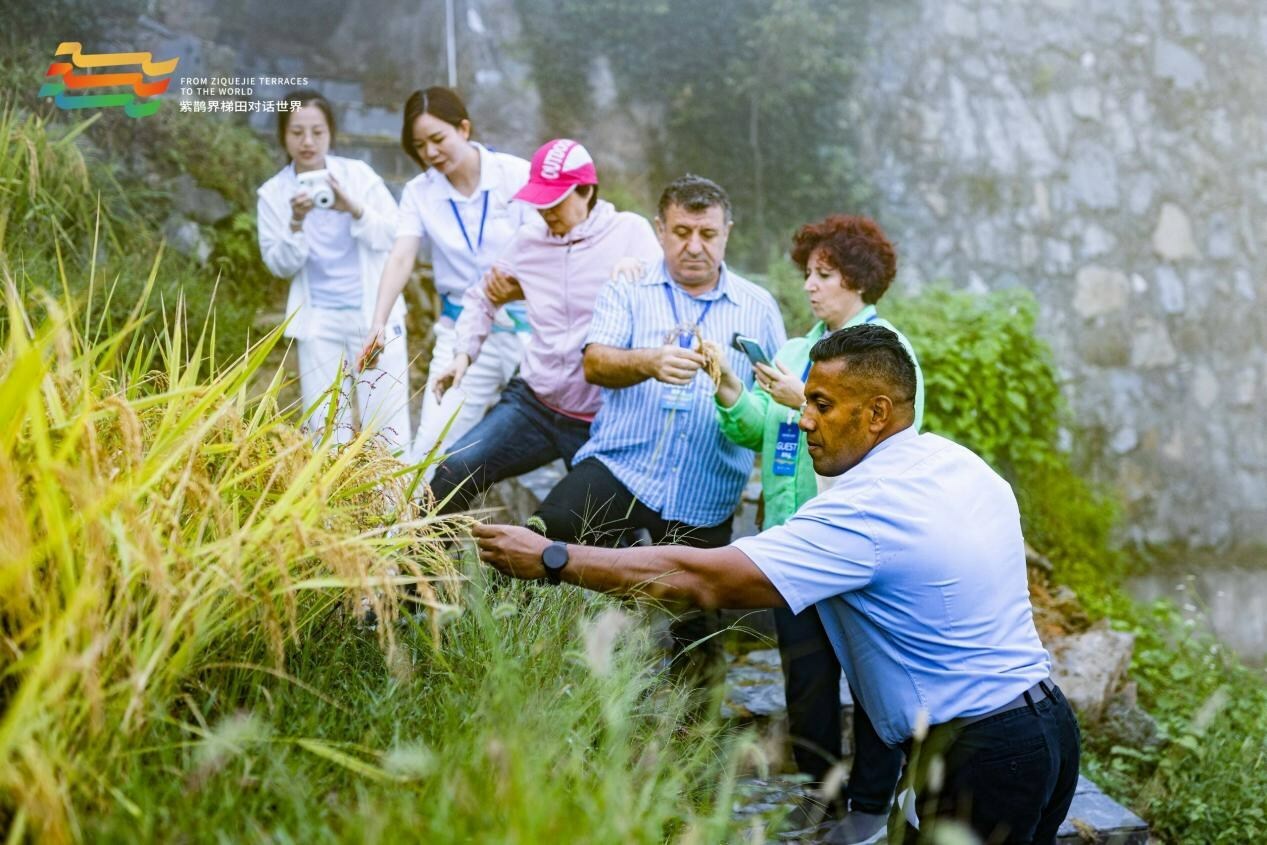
pixel 479 243
pixel 871 318
pixel 683 340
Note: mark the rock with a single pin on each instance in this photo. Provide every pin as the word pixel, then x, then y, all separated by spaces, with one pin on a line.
pixel 1059 257
pixel 1096 241
pixel 1221 238
pixel 1170 290
pixel 754 687
pixel 1140 198
pixel 1245 392
pixel 1128 724
pixel 936 201
pixel 202 204
pixel 1093 176
pixel 1244 285
pixel 959 21
pixel 1179 65
pixel 1172 239
pixel 1173 448
pixel 187 238
pixel 1095 817
pixel 1205 387
pixel 1042 202
pixel 1124 440
pixel 1151 346
pixel 1029 250
pixel 1100 291
pixel 1089 666
pixel 1085 102
pixel 1104 343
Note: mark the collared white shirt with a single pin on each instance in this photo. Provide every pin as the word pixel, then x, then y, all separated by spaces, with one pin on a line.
pixel 915 561
pixel 286 251
pixel 449 223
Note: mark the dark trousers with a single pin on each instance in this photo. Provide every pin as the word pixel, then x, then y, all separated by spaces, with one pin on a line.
pixel 590 505
pixel 1011 777
pixel 518 435
pixel 811 680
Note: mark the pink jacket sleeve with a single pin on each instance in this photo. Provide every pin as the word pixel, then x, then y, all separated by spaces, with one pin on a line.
pixel 475 322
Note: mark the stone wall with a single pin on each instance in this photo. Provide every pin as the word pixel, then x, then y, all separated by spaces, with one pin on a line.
pixel 1110 156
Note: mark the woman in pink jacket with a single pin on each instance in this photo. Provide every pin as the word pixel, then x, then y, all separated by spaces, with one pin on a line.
pixel 557 265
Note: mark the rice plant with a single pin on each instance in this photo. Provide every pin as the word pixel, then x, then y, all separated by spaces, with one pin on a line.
pixel 153 521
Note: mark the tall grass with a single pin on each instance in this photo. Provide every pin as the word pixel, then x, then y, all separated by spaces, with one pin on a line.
pixel 173 557
pixel 153 522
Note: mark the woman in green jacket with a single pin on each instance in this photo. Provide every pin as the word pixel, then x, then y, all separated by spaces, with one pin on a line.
pixel 848 264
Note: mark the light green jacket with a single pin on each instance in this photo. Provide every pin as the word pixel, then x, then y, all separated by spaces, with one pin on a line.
pixel 753 421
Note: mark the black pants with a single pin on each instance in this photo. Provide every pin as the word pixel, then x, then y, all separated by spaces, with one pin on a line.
pixel 1011 777
pixel 518 435
pixel 811 680
pixel 590 505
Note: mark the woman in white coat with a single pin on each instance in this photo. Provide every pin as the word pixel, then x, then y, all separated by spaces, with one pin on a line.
pixel 461 205
pixel 327 223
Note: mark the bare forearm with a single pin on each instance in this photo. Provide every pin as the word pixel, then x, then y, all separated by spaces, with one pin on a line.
pixel 707 578
pixel 729 389
pixel 607 366
pixel 392 282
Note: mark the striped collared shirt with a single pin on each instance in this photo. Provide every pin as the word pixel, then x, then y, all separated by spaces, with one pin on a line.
pixel 676 461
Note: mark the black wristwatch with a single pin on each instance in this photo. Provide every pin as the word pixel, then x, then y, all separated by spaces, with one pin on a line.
pixel 554 558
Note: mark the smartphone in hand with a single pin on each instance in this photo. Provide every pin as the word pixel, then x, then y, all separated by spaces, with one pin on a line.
pixel 751 348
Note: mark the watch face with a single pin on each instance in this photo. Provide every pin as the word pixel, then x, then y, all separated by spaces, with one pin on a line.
pixel 555 556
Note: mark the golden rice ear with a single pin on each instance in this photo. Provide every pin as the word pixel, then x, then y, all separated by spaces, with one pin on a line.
pixel 712 360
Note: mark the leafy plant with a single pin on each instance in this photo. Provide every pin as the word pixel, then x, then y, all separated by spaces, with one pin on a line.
pixel 751 104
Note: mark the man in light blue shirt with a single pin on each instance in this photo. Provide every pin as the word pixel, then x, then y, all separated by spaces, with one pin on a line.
pixel 656 462
pixel 915 562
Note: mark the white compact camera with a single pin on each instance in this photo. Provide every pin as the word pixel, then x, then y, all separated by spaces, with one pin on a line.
pixel 317 184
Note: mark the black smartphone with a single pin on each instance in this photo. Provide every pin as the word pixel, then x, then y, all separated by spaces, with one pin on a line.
pixel 751 348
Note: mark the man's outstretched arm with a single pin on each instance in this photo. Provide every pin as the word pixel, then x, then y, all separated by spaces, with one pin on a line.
pixel 706 578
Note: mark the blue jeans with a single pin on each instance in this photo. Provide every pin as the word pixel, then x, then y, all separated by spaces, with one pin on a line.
pixel 518 435
pixel 1010 777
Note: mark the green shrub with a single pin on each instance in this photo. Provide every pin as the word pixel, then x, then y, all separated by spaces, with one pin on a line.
pixel 1207 780
pixel 991 384
pixel 67 213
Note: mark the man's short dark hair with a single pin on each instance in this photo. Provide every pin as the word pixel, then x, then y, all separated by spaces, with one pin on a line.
pixel 694 193
pixel 872 352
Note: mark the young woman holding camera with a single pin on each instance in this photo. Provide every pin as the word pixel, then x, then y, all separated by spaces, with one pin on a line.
pixel 327 224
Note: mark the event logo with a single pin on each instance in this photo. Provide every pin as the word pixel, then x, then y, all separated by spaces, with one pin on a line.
pixel 64 84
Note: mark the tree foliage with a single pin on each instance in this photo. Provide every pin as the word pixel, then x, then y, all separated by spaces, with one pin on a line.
pixel 750 93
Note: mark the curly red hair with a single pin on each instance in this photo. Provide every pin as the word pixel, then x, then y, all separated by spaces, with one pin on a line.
pixel 855 246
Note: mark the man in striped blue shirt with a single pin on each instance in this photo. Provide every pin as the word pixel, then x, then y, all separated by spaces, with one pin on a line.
pixel 656 465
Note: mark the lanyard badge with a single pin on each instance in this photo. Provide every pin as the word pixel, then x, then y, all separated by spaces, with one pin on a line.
pixel 786 445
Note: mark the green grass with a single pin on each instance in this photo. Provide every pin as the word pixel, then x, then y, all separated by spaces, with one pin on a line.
pixel 506 734
pixel 177 662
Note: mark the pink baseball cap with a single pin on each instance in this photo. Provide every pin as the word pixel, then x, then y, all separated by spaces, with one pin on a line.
pixel 557 168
